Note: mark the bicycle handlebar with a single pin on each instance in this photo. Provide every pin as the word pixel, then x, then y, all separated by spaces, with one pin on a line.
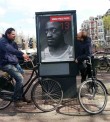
pixel 98 52
pixel 31 60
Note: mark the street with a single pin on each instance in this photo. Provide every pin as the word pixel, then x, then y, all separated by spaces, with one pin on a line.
pixel 66 113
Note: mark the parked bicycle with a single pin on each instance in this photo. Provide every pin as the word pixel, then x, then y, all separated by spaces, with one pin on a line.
pixel 46 93
pixel 103 63
pixel 92 93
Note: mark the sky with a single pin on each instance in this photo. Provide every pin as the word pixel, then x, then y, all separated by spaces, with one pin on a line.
pixel 20 14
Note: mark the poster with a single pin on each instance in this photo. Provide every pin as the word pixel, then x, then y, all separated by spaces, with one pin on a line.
pixel 55 37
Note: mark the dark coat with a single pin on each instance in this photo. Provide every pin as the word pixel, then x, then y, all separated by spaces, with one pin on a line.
pixel 8 52
pixel 84 49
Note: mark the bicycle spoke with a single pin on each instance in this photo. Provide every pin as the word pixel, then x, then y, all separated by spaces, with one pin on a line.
pixel 93 99
pixel 47 95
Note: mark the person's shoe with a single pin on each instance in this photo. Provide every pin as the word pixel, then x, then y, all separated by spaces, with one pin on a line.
pixel 19 103
pixel 27 100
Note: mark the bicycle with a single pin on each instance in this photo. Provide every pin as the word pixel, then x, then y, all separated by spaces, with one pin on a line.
pixel 103 63
pixel 92 93
pixel 46 93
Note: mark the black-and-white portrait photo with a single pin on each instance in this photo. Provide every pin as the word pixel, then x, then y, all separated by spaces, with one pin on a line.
pixel 55 38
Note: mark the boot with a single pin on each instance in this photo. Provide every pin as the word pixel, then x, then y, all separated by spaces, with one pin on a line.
pixel 26 100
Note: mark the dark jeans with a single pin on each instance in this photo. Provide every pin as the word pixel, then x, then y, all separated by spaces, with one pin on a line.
pixel 18 89
pixel 85 72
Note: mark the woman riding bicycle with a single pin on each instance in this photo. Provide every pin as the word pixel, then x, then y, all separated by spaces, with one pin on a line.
pixel 85 51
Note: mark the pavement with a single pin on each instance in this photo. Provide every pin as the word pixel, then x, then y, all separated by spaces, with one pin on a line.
pixel 71 112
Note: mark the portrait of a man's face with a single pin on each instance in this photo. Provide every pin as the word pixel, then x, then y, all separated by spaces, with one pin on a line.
pixel 54 34
pixel 56 38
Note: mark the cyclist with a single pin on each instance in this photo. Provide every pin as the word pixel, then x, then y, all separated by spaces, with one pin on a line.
pixel 85 51
pixel 9 62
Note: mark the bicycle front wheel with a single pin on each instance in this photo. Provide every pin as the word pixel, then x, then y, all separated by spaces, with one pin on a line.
pixel 47 94
pixel 92 96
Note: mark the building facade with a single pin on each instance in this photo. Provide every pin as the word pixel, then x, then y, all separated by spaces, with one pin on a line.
pixel 95 29
pixel 107 36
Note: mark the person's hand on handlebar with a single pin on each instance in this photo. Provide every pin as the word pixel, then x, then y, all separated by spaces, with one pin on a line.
pixel 26 57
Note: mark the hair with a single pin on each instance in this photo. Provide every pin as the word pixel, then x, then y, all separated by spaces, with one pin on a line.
pixel 8 31
pixel 84 34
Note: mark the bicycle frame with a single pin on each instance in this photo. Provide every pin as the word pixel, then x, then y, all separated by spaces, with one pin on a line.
pixel 93 77
pixel 48 97
pixel 30 80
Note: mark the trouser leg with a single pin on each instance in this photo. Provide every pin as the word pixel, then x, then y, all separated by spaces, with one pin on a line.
pixel 18 89
pixel 89 71
pixel 83 75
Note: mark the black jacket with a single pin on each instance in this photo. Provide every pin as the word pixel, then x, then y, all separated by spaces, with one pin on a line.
pixel 84 49
pixel 8 52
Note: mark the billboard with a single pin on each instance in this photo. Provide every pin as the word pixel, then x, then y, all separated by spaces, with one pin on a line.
pixel 55 36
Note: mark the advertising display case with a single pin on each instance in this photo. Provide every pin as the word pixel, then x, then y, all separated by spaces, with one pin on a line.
pixel 56 48
pixel 56 32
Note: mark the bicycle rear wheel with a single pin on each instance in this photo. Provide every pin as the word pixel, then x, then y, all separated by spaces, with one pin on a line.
pixel 6 91
pixel 5 99
pixel 92 96
pixel 47 95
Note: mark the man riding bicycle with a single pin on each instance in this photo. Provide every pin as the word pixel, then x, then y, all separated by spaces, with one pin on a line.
pixel 9 61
